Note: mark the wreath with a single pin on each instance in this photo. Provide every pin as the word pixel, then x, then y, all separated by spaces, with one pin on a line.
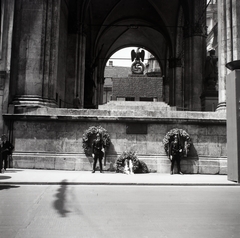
pixel 90 134
pixel 138 165
pixel 184 137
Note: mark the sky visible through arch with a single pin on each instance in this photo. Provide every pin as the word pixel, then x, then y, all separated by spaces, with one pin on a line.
pixel 123 57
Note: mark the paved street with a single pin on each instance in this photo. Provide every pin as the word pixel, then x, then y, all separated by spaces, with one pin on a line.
pixel 66 210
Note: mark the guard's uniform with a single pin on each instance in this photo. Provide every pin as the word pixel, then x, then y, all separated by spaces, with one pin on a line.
pixel 175 150
pixel 6 149
pixel 98 154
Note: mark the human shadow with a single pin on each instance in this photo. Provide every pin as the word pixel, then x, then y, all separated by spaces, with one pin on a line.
pixel 4 177
pixel 13 170
pixel 3 187
pixel 189 164
pixel 111 157
pixel 60 202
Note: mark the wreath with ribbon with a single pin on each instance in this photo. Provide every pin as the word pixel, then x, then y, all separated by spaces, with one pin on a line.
pixel 184 137
pixel 90 134
pixel 138 165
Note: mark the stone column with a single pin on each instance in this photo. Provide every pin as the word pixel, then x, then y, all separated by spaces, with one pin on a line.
pixel 176 65
pixel 222 70
pixel 228 42
pixel 187 70
pixel 81 67
pixel 171 82
pixel 7 15
pixel 194 66
pixel 233 125
pixel 229 81
pixel 166 82
pixel 36 52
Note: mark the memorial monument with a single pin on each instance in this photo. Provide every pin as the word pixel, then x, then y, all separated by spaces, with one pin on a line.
pixel 138 86
pixel 62 53
pixel 138 58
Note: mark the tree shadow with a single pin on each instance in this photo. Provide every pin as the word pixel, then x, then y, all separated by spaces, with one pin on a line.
pixel 60 202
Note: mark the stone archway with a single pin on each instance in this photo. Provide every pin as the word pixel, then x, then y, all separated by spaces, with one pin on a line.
pixel 75 38
pixel 150 26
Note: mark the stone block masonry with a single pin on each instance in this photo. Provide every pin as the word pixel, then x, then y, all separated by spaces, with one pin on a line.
pixel 51 138
pixel 138 87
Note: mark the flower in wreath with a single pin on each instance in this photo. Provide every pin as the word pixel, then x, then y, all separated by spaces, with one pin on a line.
pixel 138 165
pixel 90 134
pixel 184 139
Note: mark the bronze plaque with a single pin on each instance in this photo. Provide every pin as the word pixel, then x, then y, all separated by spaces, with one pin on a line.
pixel 136 128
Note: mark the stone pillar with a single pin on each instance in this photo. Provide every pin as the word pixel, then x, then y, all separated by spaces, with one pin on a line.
pixel 36 56
pixel 194 66
pixel 187 70
pixel 209 96
pixel 7 18
pixel 228 42
pixel 76 70
pixel 171 82
pixel 81 67
pixel 194 54
pixel 233 125
pixel 176 65
pixel 166 83
pixel 222 70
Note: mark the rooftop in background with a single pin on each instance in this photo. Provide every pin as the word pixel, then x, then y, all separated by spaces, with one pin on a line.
pixel 113 71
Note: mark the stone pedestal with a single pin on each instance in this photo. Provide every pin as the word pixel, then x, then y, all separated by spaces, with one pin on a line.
pixel 233 125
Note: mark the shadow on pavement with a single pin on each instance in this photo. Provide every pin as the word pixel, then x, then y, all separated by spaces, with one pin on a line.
pixel 60 202
pixel 2 187
pixel 4 177
pixel 13 170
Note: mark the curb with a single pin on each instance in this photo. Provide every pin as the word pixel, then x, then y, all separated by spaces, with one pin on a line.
pixel 117 184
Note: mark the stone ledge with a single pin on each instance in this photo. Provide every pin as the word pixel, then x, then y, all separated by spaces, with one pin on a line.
pixel 79 162
pixel 165 115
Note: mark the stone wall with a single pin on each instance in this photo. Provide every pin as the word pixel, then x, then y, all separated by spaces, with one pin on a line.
pixel 52 139
pixel 137 87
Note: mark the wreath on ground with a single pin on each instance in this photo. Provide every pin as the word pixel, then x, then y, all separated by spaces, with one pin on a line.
pixel 184 137
pixel 90 134
pixel 138 165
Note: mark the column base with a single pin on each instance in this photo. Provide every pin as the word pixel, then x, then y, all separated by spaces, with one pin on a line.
pixel 222 106
pixel 209 101
pixel 21 103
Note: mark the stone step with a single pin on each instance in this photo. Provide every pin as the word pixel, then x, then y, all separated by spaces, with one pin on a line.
pixel 134 105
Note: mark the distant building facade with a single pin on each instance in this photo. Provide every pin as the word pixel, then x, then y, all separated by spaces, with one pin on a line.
pixel 111 72
pixel 121 85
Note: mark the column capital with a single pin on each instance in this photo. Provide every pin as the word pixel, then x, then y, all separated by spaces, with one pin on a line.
pixel 195 29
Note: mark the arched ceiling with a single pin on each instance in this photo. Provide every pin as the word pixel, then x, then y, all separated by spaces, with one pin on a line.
pixel 112 25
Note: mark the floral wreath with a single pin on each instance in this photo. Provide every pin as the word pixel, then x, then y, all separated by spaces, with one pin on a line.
pixel 90 134
pixel 138 165
pixel 182 134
